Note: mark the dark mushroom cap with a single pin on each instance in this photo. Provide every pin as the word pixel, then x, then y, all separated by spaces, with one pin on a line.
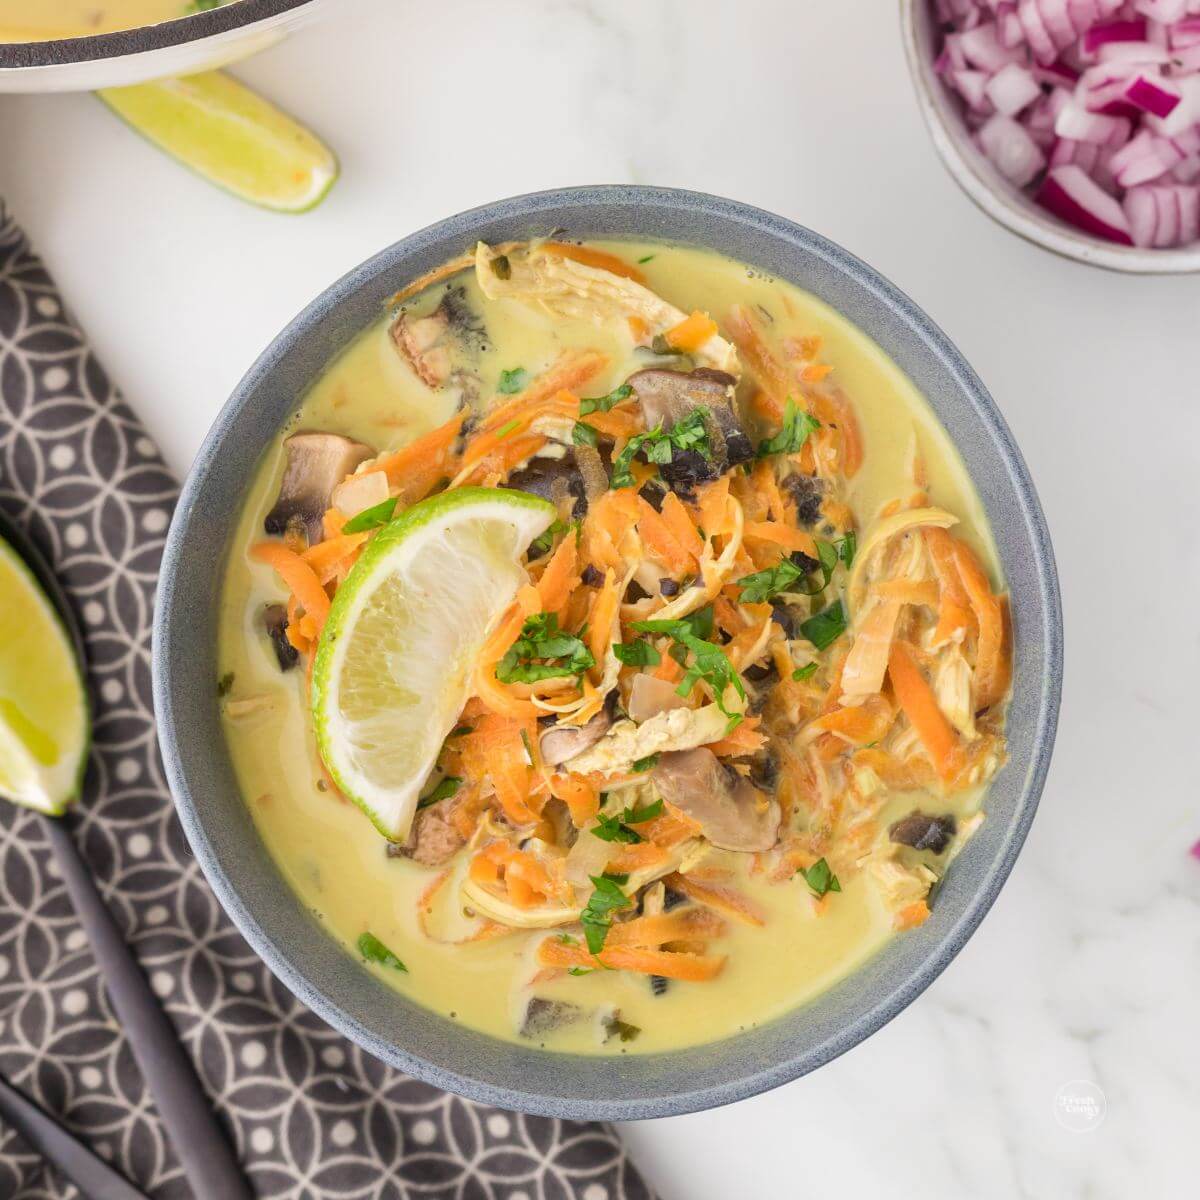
pixel 924 831
pixel 275 619
pixel 731 812
pixel 316 463
pixel 558 480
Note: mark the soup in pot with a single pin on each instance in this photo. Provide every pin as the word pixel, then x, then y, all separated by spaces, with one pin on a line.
pixel 43 20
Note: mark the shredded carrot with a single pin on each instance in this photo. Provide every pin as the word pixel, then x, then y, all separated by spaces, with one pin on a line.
pixel 490 690
pixel 682 923
pixel 921 708
pixel 325 557
pixel 416 469
pixel 580 796
pixel 600 623
pixel 991 671
pixel 955 619
pixel 625 859
pixel 745 739
pixel 693 968
pixel 715 895
pixel 560 577
pixel 921 595
pixel 776 388
pixel 912 915
pixel 833 409
pixel 591 257
pixel 779 534
pixel 692 332
pixel 681 525
pixel 299 577
pixel 660 540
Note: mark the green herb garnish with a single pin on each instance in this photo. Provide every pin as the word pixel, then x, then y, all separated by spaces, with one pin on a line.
pixel 596 919
pixel 658 445
pixel 638 653
pixel 542 543
pixel 797 426
pixel 514 381
pixel 198 6
pixel 372 518
pixel 583 434
pixel 709 661
pixel 501 267
pixel 645 259
pixel 225 684
pixel 591 404
pixel 826 627
pixel 447 787
pixel 847 548
pixel 373 950
pixel 623 1029
pixel 543 651
pixel 615 828
pixel 645 764
pixel 820 878
pixel 804 672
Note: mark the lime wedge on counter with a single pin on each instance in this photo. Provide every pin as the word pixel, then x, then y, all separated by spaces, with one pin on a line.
pixel 231 136
pixel 43 702
pixel 394 661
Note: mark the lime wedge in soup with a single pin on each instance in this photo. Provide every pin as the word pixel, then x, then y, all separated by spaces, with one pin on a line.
pixel 395 657
pixel 43 702
pixel 231 136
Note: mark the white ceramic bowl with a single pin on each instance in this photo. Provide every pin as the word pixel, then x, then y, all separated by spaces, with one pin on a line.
pixel 180 47
pixel 990 190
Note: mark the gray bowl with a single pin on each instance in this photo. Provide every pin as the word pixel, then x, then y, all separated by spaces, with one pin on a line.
pixel 285 934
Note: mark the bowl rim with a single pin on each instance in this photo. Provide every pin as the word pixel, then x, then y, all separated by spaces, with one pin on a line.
pixel 1000 200
pixel 1046 684
pixel 121 43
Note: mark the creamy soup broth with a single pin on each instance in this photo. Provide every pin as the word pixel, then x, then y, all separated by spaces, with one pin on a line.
pixel 335 860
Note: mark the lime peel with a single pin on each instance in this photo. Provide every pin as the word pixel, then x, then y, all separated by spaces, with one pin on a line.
pixel 44 722
pixel 231 136
pixel 394 662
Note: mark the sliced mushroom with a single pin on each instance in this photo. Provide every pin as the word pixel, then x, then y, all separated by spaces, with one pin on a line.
pixel 316 464
pixel 433 838
pixel 668 396
pixel 542 1016
pixel 275 619
pixel 560 743
pixel 807 492
pixel 430 344
pixel 558 480
pixel 731 812
pixel 924 831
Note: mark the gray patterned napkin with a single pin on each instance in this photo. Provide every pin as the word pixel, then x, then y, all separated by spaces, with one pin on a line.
pixel 313 1116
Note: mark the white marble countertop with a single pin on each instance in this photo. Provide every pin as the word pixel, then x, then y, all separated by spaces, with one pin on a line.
pixel 1089 965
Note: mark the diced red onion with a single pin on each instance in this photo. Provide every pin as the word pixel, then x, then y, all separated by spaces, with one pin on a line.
pixel 1113 31
pixel 1151 95
pixel 1074 196
pixel 1012 88
pixel 1011 150
pixel 1092 105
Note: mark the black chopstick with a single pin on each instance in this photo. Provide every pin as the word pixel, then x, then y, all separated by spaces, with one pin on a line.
pixel 91 1175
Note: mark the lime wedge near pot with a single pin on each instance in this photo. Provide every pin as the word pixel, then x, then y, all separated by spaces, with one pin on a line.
pixel 43 701
pixel 395 657
pixel 231 136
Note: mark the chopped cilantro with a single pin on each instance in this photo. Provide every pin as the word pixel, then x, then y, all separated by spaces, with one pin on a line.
pixel 372 518
pixel 596 918
pixel 797 426
pixel 198 6
pixel 373 950
pixel 638 653
pixel 805 672
pixel 820 878
pixel 225 684
pixel 447 787
pixel 614 828
pixel 847 547
pixel 645 259
pixel 591 404
pixel 709 661
pixel 583 434
pixel 514 381
pixel 645 764
pixel 658 445
pixel 826 627
pixel 543 651
pixel 623 1029
pixel 542 543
